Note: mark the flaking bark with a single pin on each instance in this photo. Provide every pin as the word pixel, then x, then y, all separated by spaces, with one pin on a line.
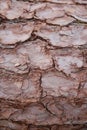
pixel 43 64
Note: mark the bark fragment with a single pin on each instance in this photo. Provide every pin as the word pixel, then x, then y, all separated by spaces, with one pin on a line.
pixel 33 114
pixel 55 85
pixel 81 1
pixel 10 34
pixel 72 36
pixel 15 9
pixel 69 61
pixel 22 90
pixel 62 21
pixel 78 12
pixel 29 55
pixel 49 12
pixel 39 58
pixel 61 1
pixel 14 126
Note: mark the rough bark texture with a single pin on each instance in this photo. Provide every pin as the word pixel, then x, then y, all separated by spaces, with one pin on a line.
pixel 43 65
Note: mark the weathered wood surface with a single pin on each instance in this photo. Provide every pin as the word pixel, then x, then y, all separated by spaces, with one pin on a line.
pixel 43 64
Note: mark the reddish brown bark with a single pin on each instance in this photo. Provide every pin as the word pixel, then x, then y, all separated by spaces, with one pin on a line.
pixel 43 65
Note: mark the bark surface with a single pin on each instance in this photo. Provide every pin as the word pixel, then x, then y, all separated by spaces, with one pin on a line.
pixel 43 64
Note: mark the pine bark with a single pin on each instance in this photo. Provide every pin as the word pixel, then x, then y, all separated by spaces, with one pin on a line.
pixel 43 64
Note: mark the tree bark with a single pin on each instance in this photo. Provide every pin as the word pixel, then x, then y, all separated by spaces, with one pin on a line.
pixel 43 64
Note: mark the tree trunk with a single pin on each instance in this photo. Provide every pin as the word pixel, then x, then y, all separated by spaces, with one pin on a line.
pixel 43 65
